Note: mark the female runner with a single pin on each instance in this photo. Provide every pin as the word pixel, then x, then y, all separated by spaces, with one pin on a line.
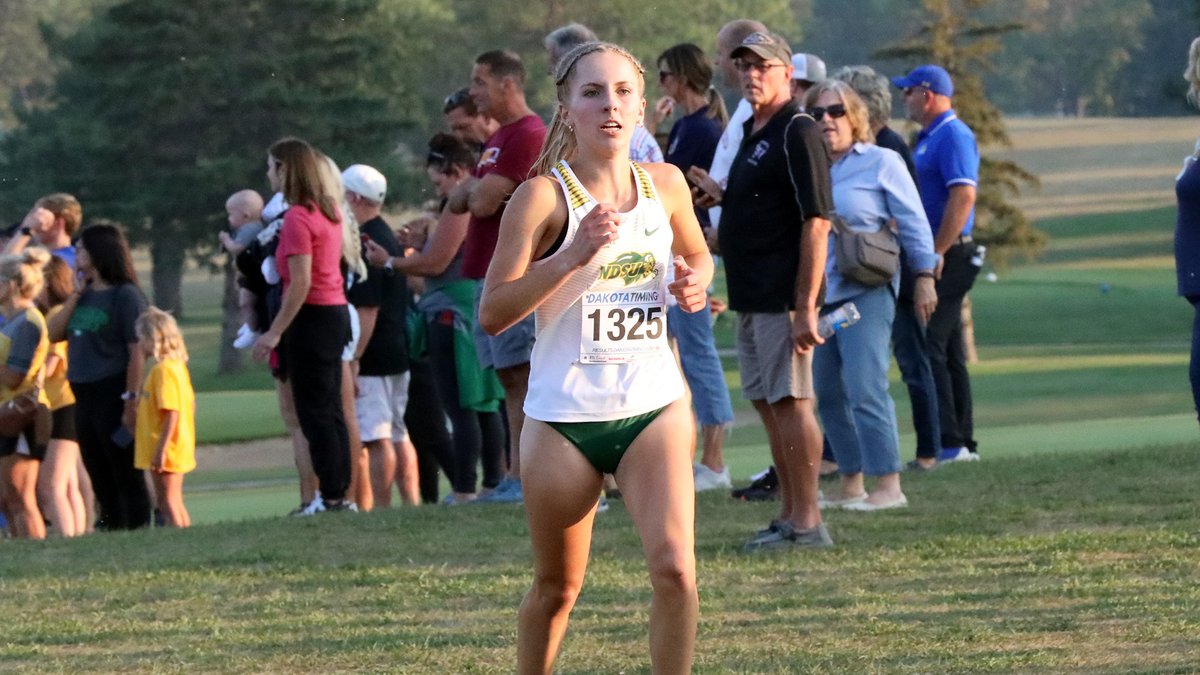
pixel 586 244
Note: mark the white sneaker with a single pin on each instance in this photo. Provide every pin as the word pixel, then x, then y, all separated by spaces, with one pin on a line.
pixel 317 505
pixel 246 338
pixel 707 479
pixel 961 455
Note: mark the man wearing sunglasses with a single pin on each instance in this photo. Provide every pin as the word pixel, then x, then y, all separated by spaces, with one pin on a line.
pixel 774 234
pixel 947 161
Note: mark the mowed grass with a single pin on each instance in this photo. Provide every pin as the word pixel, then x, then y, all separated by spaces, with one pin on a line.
pixel 1068 562
pixel 1073 547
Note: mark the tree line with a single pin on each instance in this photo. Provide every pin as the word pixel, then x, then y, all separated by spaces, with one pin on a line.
pixel 153 111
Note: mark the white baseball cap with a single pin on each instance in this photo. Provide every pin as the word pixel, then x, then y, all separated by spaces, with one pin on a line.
pixel 807 67
pixel 365 181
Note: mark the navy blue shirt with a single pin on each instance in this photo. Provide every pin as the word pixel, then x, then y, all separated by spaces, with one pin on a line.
pixel 1187 230
pixel 888 138
pixel 946 155
pixel 693 142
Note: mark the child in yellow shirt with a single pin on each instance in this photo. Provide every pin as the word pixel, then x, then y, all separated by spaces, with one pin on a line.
pixel 165 442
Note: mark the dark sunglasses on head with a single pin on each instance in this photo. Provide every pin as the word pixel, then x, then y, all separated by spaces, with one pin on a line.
pixel 455 100
pixel 835 111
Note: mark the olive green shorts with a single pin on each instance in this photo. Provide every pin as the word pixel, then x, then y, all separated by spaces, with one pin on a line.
pixel 603 444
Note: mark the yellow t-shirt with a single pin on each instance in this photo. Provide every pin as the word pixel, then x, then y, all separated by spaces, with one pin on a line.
pixel 167 387
pixel 58 390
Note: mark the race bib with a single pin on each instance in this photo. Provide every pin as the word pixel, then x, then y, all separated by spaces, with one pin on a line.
pixel 622 326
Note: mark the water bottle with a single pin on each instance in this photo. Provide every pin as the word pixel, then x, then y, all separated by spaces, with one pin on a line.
pixel 838 319
pixel 980 255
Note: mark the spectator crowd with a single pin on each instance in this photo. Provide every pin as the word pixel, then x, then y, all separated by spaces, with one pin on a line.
pixel 385 375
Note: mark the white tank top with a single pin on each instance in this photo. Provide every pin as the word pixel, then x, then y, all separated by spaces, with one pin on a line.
pixel 601 351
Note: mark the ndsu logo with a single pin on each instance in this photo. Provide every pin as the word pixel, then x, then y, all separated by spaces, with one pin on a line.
pixel 631 267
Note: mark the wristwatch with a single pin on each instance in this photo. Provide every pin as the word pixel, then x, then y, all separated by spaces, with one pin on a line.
pixel 388 265
pixel 128 396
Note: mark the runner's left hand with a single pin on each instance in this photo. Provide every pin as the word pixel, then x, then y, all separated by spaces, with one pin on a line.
pixel 686 288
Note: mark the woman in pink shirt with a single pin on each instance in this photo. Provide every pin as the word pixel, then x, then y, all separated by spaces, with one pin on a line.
pixel 313 324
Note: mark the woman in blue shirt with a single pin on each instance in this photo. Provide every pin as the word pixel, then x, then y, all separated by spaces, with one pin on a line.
pixel 685 75
pixel 1187 225
pixel 872 189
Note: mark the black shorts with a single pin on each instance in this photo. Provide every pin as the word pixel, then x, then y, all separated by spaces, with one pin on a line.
pixel 31 449
pixel 63 426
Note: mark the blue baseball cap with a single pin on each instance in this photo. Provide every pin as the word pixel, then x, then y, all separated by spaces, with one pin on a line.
pixel 934 78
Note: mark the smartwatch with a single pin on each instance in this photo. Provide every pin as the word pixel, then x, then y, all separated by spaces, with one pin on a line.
pixel 128 396
pixel 388 265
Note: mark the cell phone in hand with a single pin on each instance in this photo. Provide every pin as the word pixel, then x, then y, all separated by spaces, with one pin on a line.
pixel 122 437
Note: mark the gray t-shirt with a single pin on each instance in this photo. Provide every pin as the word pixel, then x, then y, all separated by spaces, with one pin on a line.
pixel 100 331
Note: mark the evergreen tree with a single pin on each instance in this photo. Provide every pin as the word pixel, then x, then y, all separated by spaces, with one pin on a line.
pixel 953 37
pixel 164 108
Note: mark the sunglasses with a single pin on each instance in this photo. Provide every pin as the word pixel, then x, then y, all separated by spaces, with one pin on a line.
pixel 760 67
pixel 663 75
pixel 835 111
pixel 455 100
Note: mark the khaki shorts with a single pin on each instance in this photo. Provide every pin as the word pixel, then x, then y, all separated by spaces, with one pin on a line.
pixel 380 407
pixel 770 367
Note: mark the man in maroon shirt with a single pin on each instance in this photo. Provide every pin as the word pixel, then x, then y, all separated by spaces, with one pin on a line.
pixel 498 89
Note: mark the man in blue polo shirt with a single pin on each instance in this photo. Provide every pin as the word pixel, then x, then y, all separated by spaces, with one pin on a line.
pixel 947 160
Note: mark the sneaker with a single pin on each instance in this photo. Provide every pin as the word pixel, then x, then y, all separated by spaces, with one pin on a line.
pixel 764 488
pixel 784 535
pixel 341 505
pixel 917 467
pixel 312 508
pixel 246 337
pixel 707 479
pixel 508 491
pixel 602 505
pixel 957 455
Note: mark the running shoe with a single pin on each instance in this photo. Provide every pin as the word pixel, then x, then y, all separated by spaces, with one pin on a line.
pixel 508 491
pixel 317 505
pixel 707 479
pixel 764 488
pixel 341 505
pixel 957 455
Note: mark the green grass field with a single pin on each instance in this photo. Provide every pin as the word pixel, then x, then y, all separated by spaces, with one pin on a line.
pixel 1073 547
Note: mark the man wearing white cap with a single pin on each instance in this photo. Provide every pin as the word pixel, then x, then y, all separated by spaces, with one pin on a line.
pixel 381 358
pixel 807 70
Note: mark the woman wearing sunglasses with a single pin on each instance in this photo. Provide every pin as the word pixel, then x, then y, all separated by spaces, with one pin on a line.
pixel 872 190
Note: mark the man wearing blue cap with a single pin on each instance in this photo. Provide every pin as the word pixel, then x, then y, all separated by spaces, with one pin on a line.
pixel 947 161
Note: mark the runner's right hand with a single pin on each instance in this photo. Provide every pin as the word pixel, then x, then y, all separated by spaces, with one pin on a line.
pixel 596 230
